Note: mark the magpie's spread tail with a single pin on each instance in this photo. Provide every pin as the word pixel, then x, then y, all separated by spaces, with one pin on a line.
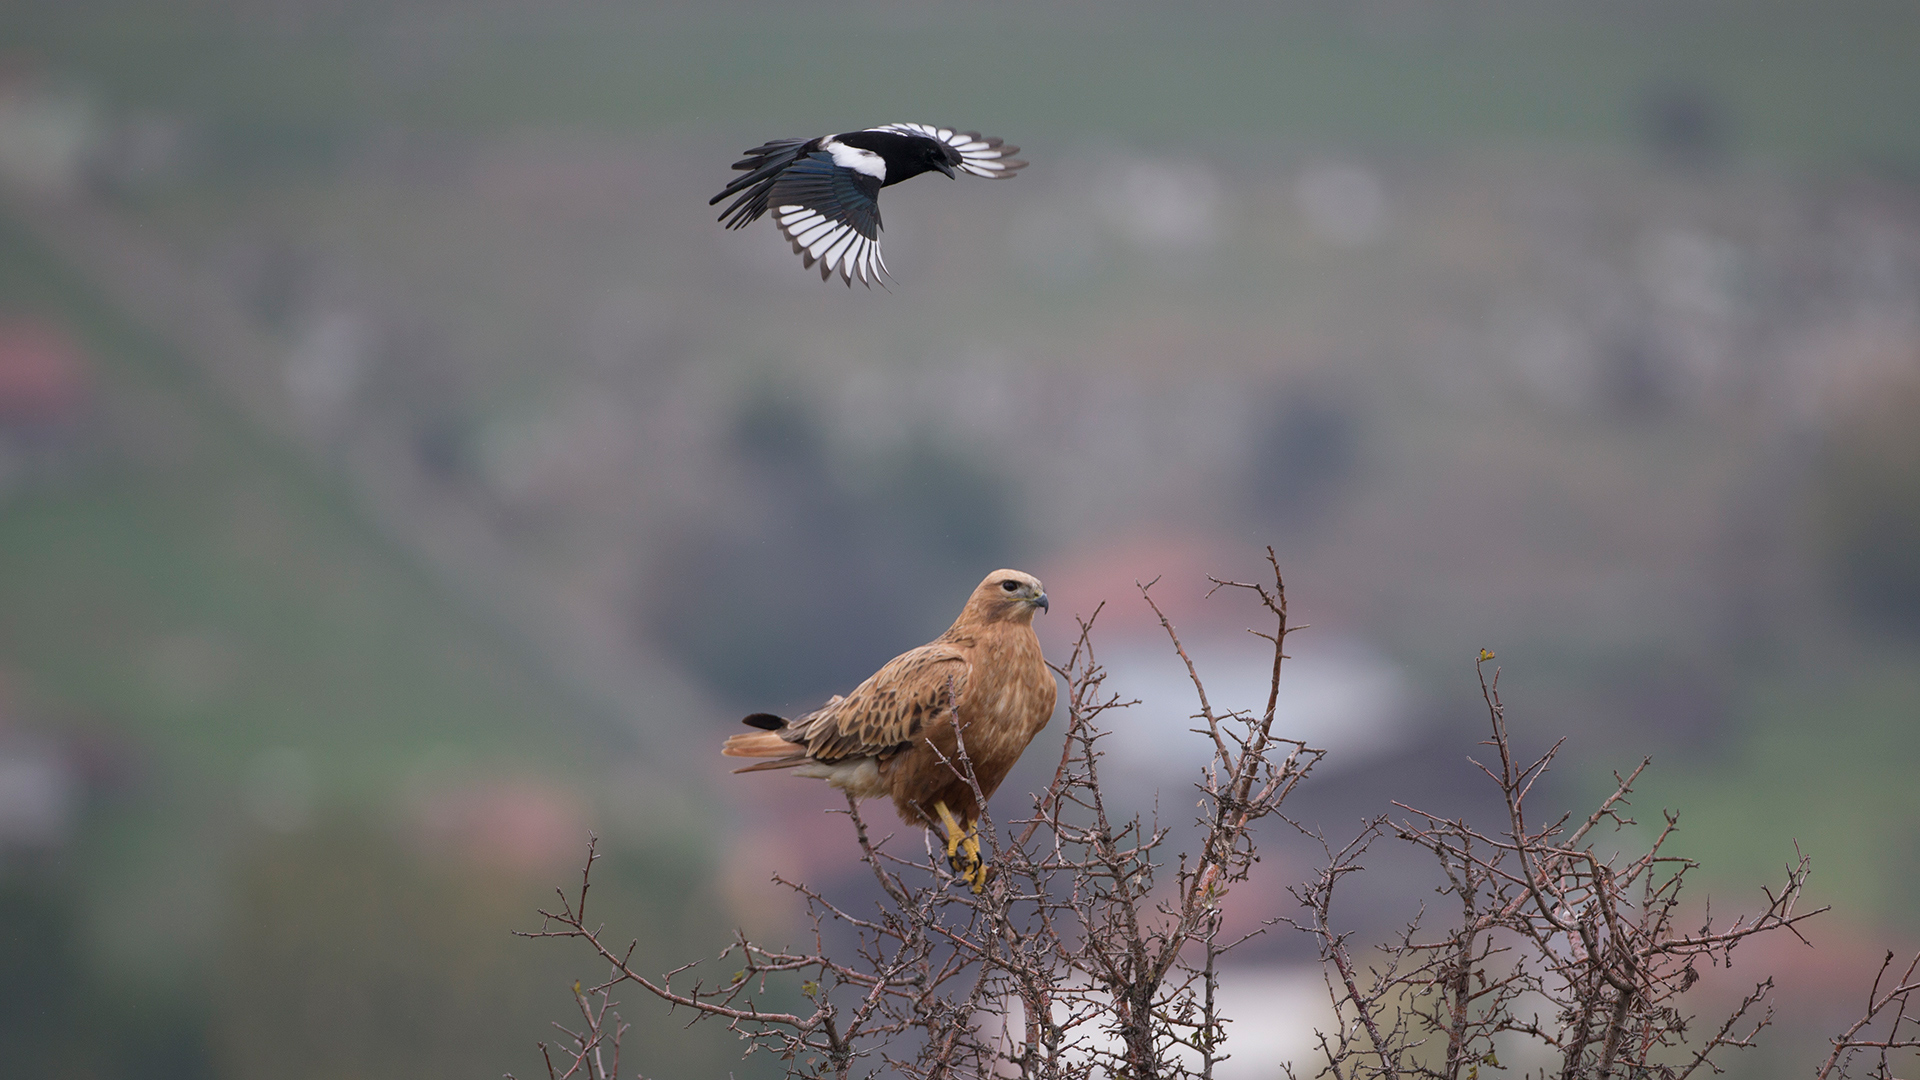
pixel 762 165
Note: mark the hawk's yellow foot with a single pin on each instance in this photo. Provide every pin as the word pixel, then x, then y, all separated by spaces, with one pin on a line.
pixel 975 870
pixel 963 849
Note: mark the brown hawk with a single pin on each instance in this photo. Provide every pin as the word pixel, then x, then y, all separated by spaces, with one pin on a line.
pixel 895 733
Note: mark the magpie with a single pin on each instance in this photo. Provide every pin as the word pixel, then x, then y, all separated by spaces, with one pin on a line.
pixel 822 191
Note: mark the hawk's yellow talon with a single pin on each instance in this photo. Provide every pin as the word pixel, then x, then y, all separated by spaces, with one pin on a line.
pixel 976 871
pixel 963 849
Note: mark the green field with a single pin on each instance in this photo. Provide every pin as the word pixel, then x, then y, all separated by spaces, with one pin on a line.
pixel 1796 80
pixel 189 597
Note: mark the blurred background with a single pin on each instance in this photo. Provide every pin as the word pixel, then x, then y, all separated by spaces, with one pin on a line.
pixel 401 474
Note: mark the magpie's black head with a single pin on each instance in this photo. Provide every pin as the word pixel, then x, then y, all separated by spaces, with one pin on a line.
pixel 942 157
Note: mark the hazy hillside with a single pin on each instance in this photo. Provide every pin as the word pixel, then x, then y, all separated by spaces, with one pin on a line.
pixel 420 477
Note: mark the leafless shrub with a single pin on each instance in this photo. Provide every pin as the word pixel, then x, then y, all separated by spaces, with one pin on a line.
pixel 1559 943
pixel 1889 1007
pixel 1093 953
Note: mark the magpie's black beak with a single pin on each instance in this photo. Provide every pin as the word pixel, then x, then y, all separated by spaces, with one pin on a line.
pixel 945 168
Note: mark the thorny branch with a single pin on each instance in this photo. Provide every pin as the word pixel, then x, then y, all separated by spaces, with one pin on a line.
pixel 1077 961
pixel 1889 1006
pixel 1560 943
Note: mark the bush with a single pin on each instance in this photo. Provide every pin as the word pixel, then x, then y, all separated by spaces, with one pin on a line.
pixel 1091 953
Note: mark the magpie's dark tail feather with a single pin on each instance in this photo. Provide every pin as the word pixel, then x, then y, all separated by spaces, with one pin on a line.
pixel 762 165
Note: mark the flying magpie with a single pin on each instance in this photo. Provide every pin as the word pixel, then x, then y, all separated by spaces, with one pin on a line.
pixel 822 191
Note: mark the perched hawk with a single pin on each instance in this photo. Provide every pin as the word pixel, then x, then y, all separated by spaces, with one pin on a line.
pixel 894 734
pixel 823 191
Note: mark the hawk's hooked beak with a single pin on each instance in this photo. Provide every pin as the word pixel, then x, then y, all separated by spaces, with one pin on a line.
pixel 945 168
pixel 1040 601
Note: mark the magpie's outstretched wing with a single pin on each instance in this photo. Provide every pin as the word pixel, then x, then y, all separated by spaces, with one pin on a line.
pixel 979 155
pixel 829 214
pixel 762 165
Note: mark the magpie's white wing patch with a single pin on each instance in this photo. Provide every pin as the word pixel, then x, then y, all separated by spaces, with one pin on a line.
pixel 860 161
pixel 835 245
pixel 979 155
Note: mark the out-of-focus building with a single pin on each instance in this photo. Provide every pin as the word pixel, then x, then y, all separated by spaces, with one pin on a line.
pixel 39 786
pixel 45 387
pixel 43 378
pixel 46 134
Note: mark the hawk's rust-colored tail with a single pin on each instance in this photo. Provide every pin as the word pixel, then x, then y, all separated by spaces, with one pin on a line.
pixel 764 744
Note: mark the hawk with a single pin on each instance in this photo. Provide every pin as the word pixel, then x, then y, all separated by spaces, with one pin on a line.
pixel 823 191
pixel 897 734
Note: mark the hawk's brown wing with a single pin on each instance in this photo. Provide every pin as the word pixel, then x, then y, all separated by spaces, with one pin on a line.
pixel 890 709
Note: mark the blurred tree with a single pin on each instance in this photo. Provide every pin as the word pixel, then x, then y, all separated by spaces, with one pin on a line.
pixel 350 954
pixel 58 1019
pixel 803 545
pixel 1682 122
pixel 1304 455
pixel 39 980
pixel 1868 508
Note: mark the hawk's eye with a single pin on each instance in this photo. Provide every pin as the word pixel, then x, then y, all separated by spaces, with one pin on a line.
pixel 1010 585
